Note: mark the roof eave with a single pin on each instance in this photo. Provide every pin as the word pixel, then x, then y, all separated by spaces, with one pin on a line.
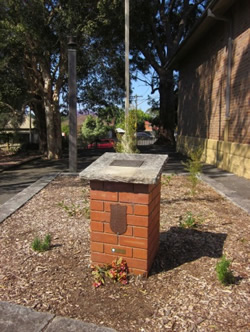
pixel 218 7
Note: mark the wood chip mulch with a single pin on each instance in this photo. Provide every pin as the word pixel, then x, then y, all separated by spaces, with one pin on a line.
pixel 182 292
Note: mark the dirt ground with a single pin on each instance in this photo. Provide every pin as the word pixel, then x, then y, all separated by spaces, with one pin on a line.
pixel 182 292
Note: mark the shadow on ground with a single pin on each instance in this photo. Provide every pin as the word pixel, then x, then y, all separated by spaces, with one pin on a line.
pixel 179 246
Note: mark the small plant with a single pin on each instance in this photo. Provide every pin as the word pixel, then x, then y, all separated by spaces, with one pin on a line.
pixel 70 209
pixel 117 271
pixel 127 142
pixel 166 179
pixel 224 274
pixel 86 210
pixel 194 165
pixel 39 245
pixel 189 221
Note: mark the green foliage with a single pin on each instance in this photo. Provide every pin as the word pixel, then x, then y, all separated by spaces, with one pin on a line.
pixel 117 271
pixel 193 165
pixel 127 142
pixel 139 117
pixel 39 245
pixel 93 128
pixel 71 209
pixel 111 115
pixel 189 221
pixel 224 273
pixel 65 128
pixel 165 180
pixel 159 26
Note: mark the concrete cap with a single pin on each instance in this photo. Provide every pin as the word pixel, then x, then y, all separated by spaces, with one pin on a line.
pixel 124 167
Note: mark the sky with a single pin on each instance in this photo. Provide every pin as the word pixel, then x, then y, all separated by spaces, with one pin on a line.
pixel 142 91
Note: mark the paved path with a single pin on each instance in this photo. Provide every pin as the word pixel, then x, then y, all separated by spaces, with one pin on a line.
pixel 16 318
pixel 17 178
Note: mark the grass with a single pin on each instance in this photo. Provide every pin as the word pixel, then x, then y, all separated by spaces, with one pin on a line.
pixel 41 246
pixel 224 273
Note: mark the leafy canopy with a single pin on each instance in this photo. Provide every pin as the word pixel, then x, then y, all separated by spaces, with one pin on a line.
pixel 93 128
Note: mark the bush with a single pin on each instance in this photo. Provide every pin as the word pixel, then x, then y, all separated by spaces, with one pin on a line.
pixel 193 165
pixel 39 245
pixel 224 274
pixel 127 142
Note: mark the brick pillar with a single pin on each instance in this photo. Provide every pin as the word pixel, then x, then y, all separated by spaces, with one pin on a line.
pixel 139 244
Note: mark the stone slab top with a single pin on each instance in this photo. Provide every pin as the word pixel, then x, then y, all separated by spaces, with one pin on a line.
pixel 124 167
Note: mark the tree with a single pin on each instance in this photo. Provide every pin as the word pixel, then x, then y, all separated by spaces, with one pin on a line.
pixel 157 29
pixel 93 128
pixel 33 25
pixel 38 32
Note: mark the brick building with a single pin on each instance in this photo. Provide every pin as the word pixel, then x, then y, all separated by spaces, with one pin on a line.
pixel 214 98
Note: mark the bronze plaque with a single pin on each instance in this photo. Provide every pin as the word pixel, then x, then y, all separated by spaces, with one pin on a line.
pixel 118 251
pixel 127 163
pixel 118 220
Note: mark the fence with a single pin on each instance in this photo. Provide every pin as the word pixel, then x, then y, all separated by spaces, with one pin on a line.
pixel 145 141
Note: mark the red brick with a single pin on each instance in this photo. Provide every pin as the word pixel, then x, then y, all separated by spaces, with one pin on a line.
pixel 143 188
pixel 108 249
pixel 100 216
pixel 137 220
pixel 142 210
pixel 101 258
pixel 134 198
pixel 128 232
pixel 133 242
pixel 96 185
pixel 104 195
pixel 155 192
pixel 96 246
pixel 96 205
pixel 96 226
pixel 140 232
pixel 140 253
pixel 104 238
pixel 118 187
pixel 139 264
pixel 153 240
pixel 138 272
pixel 130 209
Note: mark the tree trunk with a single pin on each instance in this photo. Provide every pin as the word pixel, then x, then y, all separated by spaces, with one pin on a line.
pixel 39 111
pixel 167 104
pixel 54 135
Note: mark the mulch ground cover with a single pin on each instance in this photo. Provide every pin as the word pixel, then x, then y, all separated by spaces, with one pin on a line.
pixel 182 292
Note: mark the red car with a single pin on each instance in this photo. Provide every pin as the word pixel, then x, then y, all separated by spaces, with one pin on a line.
pixel 106 143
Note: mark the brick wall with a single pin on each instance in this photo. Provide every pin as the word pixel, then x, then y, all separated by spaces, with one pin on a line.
pixel 141 239
pixel 203 74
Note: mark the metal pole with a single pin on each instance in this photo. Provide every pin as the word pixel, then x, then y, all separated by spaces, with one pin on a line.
pixel 126 61
pixel 72 106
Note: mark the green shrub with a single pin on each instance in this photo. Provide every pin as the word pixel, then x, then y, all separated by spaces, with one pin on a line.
pixel 127 142
pixel 224 274
pixel 39 245
pixel 193 165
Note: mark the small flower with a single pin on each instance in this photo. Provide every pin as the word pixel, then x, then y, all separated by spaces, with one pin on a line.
pixel 97 284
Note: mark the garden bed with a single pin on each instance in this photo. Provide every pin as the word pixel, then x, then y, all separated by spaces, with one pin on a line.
pixel 182 292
